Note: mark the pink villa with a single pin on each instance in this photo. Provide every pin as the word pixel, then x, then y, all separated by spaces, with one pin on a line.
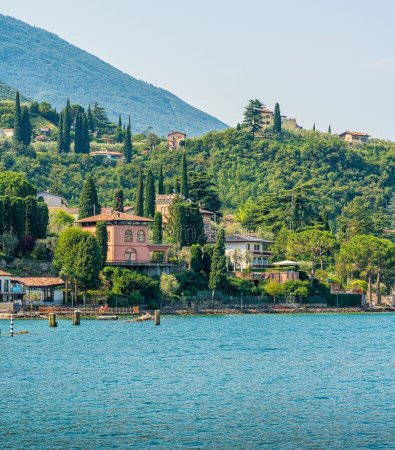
pixel 127 238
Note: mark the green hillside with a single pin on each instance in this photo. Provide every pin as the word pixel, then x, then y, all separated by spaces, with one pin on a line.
pixel 46 68
pixel 8 93
pixel 296 179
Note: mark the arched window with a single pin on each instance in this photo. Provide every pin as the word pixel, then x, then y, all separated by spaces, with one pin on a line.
pixel 140 236
pixel 128 236
pixel 130 254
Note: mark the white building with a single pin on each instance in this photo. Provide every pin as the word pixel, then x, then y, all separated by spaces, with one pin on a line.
pixel 5 286
pixel 247 252
pixel 39 289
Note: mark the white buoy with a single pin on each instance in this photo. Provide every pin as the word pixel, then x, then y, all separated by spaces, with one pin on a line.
pixel 11 326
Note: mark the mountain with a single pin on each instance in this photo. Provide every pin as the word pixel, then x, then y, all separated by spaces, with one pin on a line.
pixel 8 93
pixel 45 67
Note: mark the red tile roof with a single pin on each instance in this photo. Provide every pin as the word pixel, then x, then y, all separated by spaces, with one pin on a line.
pixel 4 274
pixel 355 133
pixel 109 217
pixel 38 281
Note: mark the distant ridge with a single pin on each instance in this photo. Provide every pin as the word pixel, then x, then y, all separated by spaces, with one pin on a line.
pixel 8 93
pixel 45 67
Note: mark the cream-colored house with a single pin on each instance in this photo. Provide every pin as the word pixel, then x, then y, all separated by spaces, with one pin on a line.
pixel 287 123
pixel 247 252
pixel 355 137
pixel 174 138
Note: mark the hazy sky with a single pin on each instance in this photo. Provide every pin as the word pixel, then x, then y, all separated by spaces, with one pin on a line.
pixel 324 61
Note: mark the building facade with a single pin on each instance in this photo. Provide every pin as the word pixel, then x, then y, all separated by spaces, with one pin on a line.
pixel 5 286
pixel 127 238
pixel 355 137
pixel 174 138
pixel 247 252
pixel 287 123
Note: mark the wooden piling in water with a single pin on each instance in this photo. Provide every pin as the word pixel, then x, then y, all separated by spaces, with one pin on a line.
pixel 52 320
pixel 76 317
pixel 12 325
pixel 157 317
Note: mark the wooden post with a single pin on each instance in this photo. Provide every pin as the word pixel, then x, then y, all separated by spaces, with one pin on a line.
pixel 12 325
pixel 157 317
pixel 76 317
pixel 52 320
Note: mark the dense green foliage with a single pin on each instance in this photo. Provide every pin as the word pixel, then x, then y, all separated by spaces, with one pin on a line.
pixel 89 203
pixel 118 200
pixel 149 195
pixel 65 69
pixel 102 240
pixel 157 228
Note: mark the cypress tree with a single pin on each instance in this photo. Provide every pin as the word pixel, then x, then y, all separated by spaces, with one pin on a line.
pixel 314 127
pixel 161 189
pixel 7 218
pixel 180 224
pixel 102 239
pixel 78 139
pixel 218 264
pixel 26 126
pixel 196 258
pixel 85 134
pixel 119 135
pixel 91 124
pixel 195 227
pixel 89 203
pixel 277 119
pixel 140 195
pixel 208 250
pixel 87 263
pixel 18 129
pixel 67 117
pixel 61 134
pixel 43 219
pixel 330 129
pixel 184 177
pixel 157 229
pixel 118 200
pixel 127 144
pixel 1 216
pixel 18 217
pixel 31 217
pixel 149 197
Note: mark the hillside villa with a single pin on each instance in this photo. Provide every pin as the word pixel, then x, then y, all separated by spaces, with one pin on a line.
pixel 127 239
pixel 174 138
pixel 355 137
pixel 287 123
pixel 247 252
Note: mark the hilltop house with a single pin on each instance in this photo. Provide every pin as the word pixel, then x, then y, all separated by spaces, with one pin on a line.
pixel 174 138
pixel 287 123
pixel 127 239
pixel 355 137
pixel 247 252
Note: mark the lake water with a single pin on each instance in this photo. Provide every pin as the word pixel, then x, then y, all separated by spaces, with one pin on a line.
pixel 253 381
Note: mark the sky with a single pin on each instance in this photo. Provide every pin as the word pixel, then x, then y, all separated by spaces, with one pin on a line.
pixel 325 62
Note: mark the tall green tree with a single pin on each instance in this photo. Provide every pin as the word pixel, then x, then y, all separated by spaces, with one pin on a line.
pixel 21 222
pixel 118 200
pixel 85 134
pixel 60 143
pixel 18 128
pixel 78 138
pixel 208 250
pixel 313 126
pixel 140 195
pixel 196 258
pixel 195 233
pixel 178 223
pixel 31 217
pixel 218 273
pixel 102 240
pixel 157 228
pixel 149 196
pixel 26 126
pixel 277 119
pixel 253 116
pixel 330 129
pixel 161 188
pixel 43 219
pixel 89 203
pixel 119 134
pixel 67 119
pixel 127 144
pixel 91 124
pixel 184 191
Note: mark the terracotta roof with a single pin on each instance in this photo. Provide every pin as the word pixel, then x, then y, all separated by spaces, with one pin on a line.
pixel 109 217
pixel 204 211
pixel 4 274
pixel 174 132
pixel 355 133
pixel 38 281
pixel 241 238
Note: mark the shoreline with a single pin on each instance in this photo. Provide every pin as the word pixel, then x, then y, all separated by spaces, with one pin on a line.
pixel 29 315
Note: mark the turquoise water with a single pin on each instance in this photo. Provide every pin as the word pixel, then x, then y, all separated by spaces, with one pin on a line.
pixel 262 381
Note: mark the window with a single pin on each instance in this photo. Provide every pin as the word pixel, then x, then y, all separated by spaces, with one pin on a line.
pixel 256 247
pixel 130 254
pixel 128 236
pixel 140 236
pixel 248 246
